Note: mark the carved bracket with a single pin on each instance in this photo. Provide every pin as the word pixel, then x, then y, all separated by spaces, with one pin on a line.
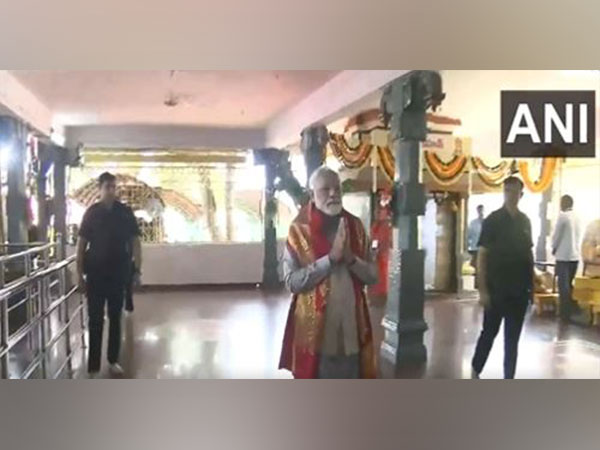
pixel 406 100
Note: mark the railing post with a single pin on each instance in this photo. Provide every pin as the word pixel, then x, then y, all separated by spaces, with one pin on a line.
pixel 4 337
pixel 28 307
pixel 82 311
pixel 66 316
pixel 42 327
pixel 3 327
pixel 59 247
pixel 46 255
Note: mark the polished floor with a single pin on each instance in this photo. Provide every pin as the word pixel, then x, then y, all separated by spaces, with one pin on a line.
pixel 236 333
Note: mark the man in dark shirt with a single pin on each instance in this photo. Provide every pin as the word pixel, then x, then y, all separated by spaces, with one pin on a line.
pixel 505 271
pixel 108 241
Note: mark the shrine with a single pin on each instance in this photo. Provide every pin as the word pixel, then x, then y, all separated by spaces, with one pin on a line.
pixel 215 176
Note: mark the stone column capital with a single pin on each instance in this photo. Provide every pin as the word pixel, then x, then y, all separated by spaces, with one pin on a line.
pixel 405 101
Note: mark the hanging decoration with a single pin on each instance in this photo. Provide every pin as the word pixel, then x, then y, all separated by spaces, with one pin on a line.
pixel 545 178
pixel 492 176
pixel 351 157
pixel 387 161
pixel 445 173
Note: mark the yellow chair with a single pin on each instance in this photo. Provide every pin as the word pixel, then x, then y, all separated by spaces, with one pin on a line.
pixel 543 300
pixel 586 292
pixel 595 314
pixel 545 296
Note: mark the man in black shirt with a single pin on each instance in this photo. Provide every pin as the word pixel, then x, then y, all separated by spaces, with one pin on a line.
pixel 108 241
pixel 505 271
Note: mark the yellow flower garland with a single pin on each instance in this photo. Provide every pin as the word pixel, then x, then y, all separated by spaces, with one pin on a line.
pixel 546 176
pixel 351 157
pixel 491 176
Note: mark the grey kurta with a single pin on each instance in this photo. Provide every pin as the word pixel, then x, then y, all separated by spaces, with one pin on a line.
pixel 340 334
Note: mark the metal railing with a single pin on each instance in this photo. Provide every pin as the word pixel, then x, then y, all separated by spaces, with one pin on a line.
pixel 27 261
pixel 52 309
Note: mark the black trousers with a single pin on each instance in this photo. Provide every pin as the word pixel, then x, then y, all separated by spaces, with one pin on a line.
pixel 512 310
pixel 565 273
pixel 474 265
pixel 129 288
pixel 103 291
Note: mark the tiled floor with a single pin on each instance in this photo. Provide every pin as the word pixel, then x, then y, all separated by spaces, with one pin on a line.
pixel 236 333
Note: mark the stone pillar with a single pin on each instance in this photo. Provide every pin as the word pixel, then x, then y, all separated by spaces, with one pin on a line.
pixel 60 195
pixel 271 159
pixel 13 135
pixel 313 142
pixel 404 104
pixel 45 154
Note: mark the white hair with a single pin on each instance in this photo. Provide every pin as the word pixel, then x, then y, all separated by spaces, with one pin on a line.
pixel 318 173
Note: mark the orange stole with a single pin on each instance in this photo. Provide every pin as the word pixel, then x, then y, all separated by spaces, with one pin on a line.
pixel 306 318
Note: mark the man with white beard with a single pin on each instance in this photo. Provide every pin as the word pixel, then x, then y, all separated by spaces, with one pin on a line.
pixel 327 264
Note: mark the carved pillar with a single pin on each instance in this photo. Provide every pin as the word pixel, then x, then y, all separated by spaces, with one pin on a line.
pixel 313 142
pixel 404 103
pixel 14 140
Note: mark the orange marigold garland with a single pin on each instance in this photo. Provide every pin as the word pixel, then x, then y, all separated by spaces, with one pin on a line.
pixel 387 161
pixel 350 157
pixel 546 175
pixel 445 172
pixel 491 176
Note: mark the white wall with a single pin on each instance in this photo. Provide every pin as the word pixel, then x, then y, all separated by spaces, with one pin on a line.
pixel 214 263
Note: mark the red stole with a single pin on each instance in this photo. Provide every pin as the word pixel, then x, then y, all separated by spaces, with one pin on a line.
pixel 301 346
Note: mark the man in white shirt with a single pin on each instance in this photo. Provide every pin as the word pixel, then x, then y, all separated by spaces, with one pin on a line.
pixel 565 248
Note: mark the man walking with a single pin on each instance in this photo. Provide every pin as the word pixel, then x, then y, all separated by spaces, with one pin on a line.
pixel 107 237
pixel 565 248
pixel 327 264
pixel 505 271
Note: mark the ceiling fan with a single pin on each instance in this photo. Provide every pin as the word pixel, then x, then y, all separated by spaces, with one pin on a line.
pixel 173 98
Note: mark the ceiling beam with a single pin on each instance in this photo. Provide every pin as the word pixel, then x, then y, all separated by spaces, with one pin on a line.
pixel 164 136
pixel 16 100
pixel 170 157
pixel 330 102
